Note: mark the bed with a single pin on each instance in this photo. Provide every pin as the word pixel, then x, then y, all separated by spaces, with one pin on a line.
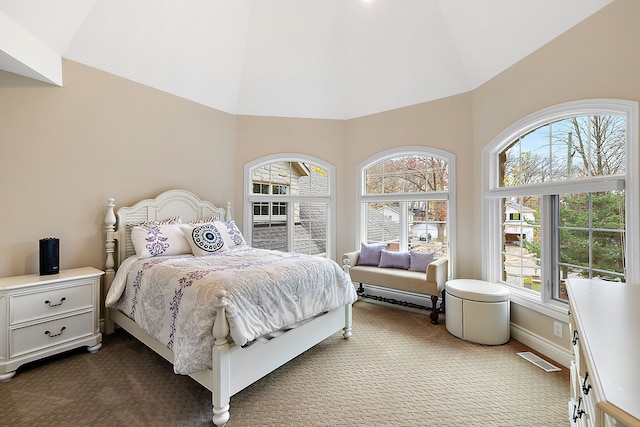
pixel 233 355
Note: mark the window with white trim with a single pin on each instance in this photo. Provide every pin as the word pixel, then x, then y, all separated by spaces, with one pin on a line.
pixel 290 204
pixel 561 199
pixel 405 200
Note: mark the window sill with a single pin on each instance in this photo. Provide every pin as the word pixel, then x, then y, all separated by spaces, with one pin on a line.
pixel 553 309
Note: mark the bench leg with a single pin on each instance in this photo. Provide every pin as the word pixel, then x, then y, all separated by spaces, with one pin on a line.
pixel 442 303
pixel 434 309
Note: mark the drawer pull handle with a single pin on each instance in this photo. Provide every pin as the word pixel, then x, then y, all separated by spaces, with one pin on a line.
pixel 50 335
pixel 63 299
pixel 586 387
pixel 575 337
pixel 577 411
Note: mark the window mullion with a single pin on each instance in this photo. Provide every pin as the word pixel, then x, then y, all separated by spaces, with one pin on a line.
pixel 291 224
pixel 404 225
pixel 550 244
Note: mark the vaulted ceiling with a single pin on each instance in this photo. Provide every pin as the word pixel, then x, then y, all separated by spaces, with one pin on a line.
pixel 333 59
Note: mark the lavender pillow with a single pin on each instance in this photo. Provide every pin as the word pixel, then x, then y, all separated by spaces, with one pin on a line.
pixel 395 260
pixel 420 261
pixel 370 254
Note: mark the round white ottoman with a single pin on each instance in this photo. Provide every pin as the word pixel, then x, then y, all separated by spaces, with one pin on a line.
pixel 477 311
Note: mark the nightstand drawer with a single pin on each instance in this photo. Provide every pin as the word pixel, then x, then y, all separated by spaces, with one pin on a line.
pixel 41 304
pixel 42 335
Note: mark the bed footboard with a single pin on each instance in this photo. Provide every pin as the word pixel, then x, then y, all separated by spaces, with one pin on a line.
pixel 233 367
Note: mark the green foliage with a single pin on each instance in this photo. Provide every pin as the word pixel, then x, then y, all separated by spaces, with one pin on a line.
pixel 607 213
pixel 607 248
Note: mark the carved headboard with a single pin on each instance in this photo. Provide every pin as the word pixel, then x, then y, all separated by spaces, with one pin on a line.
pixel 168 204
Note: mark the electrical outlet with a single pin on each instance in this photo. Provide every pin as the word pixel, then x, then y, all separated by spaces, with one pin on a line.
pixel 557 329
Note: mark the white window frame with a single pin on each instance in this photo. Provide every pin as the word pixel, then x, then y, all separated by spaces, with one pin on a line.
pixel 329 199
pixel 492 192
pixel 449 195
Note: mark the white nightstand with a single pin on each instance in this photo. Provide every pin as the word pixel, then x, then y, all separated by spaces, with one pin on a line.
pixel 44 315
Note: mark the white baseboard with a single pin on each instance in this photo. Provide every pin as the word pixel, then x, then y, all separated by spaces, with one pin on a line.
pixel 542 345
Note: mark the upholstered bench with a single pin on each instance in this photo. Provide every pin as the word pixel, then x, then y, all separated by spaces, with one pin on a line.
pixel 477 311
pixel 429 281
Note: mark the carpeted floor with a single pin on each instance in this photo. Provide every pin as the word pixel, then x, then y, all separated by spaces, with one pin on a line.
pixel 396 370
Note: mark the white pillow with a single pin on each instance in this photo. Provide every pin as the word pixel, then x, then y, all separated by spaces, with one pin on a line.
pixel 204 239
pixel 153 240
pixel 230 233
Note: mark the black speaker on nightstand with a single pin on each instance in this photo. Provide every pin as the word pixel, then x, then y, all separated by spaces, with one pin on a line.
pixel 49 256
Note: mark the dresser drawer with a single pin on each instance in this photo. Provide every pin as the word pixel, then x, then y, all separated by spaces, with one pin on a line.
pixel 46 334
pixel 45 303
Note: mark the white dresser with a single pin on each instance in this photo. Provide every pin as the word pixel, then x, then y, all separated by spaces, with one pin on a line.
pixel 44 315
pixel 604 318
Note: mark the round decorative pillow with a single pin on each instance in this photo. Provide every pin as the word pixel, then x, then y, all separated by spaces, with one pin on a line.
pixel 207 238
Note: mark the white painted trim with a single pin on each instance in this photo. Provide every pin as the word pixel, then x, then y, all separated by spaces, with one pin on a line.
pixel 540 344
pixel 554 309
pixel 293 157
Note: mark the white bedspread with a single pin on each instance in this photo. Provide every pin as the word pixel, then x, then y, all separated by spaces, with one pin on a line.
pixel 172 297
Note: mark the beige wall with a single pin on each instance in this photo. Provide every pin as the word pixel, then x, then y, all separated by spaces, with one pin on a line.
pixel 443 124
pixel 103 136
pixel 64 151
pixel 263 136
pixel 598 58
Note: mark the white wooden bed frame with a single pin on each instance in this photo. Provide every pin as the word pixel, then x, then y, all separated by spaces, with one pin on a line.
pixel 233 367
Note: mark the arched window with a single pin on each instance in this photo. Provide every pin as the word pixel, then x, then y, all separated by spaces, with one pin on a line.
pixel 290 204
pixel 405 200
pixel 561 199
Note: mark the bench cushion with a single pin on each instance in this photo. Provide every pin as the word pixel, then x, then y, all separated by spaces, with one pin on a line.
pixel 405 280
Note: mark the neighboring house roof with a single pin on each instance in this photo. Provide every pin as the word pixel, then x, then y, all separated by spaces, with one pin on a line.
pixel 275 237
pixel 519 206
pixel 379 228
pixel 311 230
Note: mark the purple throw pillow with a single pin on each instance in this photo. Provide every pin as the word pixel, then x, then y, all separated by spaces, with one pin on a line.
pixel 420 261
pixel 370 254
pixel 395 260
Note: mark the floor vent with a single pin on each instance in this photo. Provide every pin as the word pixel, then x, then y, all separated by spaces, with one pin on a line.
pixel 538 361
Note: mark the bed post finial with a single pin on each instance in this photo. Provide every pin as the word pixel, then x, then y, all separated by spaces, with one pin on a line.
pixel 109 227
pixel 227 215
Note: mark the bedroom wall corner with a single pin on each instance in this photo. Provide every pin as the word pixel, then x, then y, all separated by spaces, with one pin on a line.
pixel 65 150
